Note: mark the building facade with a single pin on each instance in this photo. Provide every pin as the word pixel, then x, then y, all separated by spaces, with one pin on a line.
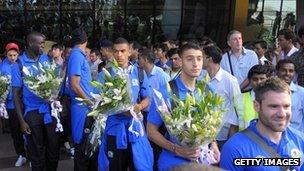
pixel 147 21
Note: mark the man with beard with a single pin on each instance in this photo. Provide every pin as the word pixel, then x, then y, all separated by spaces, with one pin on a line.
pixel 286 71
pixel 34 113
pixel 269 135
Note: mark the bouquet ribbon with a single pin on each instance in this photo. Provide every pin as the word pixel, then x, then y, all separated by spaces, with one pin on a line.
pixel 56 108
pixel 3 112
pixel 207 156
pixel 136 119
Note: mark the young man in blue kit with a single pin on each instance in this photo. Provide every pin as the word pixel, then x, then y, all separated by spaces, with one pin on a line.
pixel 173 154
pixel 12 54
pixel 34 113
pixel 122 150
pixel 273 104
pixel 79 78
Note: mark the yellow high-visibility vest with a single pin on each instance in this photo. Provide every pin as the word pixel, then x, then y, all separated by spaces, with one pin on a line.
pixel 247 111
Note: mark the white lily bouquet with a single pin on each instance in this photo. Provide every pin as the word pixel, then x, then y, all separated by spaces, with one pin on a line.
pixel 194 122
pixel 114 97
pixel 46 85
pixel 4 90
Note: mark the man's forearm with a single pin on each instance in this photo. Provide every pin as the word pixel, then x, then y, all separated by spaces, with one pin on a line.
pixel 78 90
pixel 18 103
pixel 144 103
pixel 155 136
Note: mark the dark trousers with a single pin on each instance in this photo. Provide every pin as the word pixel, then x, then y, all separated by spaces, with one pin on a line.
pixel 66 117
pixel 16 132
pixel 83 162
pixel 120 159
pixel 42 143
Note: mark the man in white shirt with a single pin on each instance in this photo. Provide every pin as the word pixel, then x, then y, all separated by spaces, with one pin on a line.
pixel 226 85
pixel 286 71
pixel 238 60
pixel 285 37
pixel 94 62
pixel 260 48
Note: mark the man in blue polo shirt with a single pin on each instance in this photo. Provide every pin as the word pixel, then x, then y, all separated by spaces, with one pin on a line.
pixel 79 78
pixel 121 149
pixel 156 78
pixel 12 53
pixel 273 104
pixel 286 71
pixel 174 154
pixel 34 113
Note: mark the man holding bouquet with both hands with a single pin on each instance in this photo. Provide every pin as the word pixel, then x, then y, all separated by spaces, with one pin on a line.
pixel 121 148
pixel 174 154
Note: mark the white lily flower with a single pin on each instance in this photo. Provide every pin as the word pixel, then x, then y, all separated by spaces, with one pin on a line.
pixel 107 100
pixel 25 71
pixel 109 84
pixel 96 96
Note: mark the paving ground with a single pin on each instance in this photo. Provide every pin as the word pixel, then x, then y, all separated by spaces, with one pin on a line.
pixel 8 156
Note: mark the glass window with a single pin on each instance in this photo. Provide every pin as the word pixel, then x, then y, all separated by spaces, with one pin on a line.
pixel 109 19
pixel 272 14
pixel 139 20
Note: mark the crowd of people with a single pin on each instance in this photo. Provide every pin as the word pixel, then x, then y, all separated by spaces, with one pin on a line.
pixel 261 88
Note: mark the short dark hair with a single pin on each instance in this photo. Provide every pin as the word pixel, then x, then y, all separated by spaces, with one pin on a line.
pixel 188 46
pixel 282 62
pixel 147 54
pixel 162 46
pixel 206 41
pixel 260 69
pixel 171 52
pixel 298 40
pixel 301 31
pixel 58 46
pixel 96 51
pixel 288 34
pixel 136 45
pixel 262 43
pixel 231 33
pixel 32 36
pixel 121 40
pixel 214 52
pixel 271 84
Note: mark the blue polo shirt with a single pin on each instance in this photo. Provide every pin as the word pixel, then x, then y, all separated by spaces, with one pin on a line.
pixel 78 65
pixel 5 69
pixel 163 66
pixel 117 125
pixel 30 100
pixel 241 146
pixel 157 78
pixel 154 117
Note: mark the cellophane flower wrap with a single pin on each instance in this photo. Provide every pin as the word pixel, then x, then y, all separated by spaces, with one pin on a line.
pixel 114 97
pixel 4 90
pixel 195 122
pixel 46 85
